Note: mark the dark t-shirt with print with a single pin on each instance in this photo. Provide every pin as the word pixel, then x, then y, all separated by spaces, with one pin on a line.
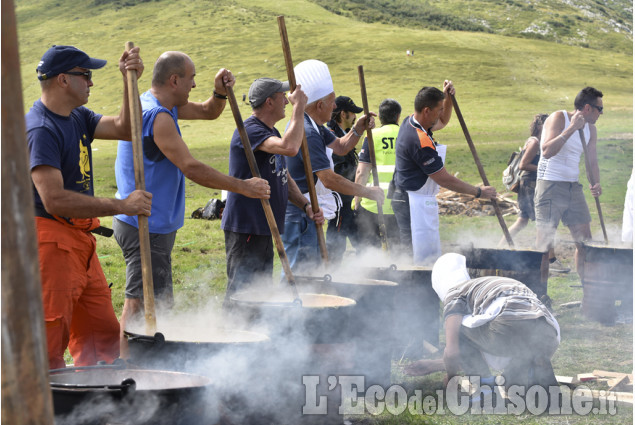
pixel 246 215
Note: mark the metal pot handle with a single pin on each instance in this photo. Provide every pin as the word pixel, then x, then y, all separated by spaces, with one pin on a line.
pixel 158 339
pixel 127 387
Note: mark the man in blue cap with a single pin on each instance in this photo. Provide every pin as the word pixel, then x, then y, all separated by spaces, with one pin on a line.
pixel 77 305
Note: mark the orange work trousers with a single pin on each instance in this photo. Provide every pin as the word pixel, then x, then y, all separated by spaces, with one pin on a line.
pixel 77 304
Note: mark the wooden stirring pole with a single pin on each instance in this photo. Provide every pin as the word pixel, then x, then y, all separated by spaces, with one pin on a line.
pixel 304 148
pixel 140 184
pixel 373 161
pixel 253 166
pixel 481 171
pixel 588 173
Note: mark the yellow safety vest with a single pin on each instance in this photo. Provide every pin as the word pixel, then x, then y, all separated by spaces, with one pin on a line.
pixel 385 140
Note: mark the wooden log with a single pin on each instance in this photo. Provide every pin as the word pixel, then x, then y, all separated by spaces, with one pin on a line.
pixel 618 382
pixel 26 394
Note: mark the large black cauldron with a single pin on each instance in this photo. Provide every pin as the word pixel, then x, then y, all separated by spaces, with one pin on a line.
pixel 182 348
pixel 309 340
pixel 370 326
pixel 608 276
pixel 416 308
pixel 100 395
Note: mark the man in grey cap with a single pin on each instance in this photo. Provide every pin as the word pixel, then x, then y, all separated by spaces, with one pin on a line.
pixel 248 242
pixel 77 305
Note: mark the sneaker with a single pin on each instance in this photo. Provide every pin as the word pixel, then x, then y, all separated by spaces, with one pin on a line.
pixel 557 267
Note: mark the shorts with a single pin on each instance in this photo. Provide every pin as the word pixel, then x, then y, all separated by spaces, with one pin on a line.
pixel 526 199
pixel 161 245
pixel 557 201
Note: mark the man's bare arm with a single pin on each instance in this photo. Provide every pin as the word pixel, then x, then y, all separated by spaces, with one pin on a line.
pixel 66 203
pixel 171 144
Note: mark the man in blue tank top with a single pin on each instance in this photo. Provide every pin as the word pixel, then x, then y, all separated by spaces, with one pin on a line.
pixel 167 161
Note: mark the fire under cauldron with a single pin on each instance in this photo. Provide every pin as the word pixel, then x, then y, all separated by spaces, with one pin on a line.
pixel 370 326
pixel 310 344
pixel 607 277
pixel 100 395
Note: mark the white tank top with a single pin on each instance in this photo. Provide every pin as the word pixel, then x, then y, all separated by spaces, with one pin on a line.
pixel 565 165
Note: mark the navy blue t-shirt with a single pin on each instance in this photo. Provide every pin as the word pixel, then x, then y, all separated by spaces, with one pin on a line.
pixel 246 215
pixel 416 156
pixel 317 141
pixel 64 143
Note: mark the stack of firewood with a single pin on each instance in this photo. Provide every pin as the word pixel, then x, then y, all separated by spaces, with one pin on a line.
pixel 453 203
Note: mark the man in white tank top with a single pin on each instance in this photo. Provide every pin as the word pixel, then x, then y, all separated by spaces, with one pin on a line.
pixel 559 195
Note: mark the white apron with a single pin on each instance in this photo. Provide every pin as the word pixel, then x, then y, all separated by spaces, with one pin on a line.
pixel 329 201
pixel 424 220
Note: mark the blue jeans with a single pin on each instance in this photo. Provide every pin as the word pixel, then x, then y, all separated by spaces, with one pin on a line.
pixel 300 243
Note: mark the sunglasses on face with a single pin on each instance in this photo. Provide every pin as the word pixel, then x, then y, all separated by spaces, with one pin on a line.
pixel 87 74
pixel 599 108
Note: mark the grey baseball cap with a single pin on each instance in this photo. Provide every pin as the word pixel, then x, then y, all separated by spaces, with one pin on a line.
pixel 263 88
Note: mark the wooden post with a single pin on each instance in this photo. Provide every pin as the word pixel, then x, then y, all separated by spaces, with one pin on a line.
pixel 140 184
pixel 26 394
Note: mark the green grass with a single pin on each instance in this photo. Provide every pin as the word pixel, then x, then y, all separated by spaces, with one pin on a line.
pixel 501 83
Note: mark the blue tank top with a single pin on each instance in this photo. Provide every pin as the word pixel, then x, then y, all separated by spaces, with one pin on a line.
pixel 163 179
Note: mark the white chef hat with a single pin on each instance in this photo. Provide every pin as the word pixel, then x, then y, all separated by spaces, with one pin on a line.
pixel 449 271
pixel 315 78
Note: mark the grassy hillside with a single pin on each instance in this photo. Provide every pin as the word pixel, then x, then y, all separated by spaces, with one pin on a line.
pixel 501 81
pixel 587 23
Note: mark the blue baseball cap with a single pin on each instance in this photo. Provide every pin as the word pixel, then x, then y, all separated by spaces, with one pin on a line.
pixel 59 59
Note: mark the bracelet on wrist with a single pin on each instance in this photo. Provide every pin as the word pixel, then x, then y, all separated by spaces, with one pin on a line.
pixel 478 192
pixel 220 96
pixel 305 205
pixel 355 132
